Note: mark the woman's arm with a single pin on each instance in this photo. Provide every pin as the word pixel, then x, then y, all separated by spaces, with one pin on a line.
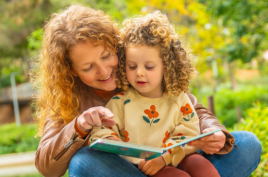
pixel 59 143
pixel 56 148
pixel 220 142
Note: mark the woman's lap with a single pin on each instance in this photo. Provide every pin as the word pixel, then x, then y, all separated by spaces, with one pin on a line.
pixel 241 161
pixel 87 162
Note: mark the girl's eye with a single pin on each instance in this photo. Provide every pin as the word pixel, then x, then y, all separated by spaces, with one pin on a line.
pixel 107 56
pixel 149 68
pixel 87 69
pixel 132 67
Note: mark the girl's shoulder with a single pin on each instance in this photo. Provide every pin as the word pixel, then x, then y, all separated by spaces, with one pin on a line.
pixel 182 96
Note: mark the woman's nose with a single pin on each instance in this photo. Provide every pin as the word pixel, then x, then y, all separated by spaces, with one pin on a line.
pixel 103 70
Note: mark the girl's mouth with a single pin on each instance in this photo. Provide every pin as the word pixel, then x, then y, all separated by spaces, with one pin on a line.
pixel 141 83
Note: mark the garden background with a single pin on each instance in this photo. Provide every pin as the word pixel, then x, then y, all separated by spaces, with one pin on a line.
pixel 228 40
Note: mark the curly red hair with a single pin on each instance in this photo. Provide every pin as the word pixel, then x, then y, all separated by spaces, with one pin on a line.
pixel 155 30
pixel 58 96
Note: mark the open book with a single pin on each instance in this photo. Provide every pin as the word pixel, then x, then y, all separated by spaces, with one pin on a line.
pixel 136 150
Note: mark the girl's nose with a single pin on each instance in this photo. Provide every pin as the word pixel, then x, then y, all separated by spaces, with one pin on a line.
pixel 140 71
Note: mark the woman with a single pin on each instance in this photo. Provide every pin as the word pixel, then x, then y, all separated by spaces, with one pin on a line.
pixel 76 78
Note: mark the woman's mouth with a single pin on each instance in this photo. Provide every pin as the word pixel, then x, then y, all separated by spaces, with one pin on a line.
pixel 107 78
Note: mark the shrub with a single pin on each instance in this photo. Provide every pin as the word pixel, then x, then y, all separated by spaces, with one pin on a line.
pixel 227 100
pixel 257 122
pixel 15 139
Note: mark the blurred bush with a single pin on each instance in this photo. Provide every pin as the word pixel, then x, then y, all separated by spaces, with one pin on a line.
pixel 15 139
pixel 226 101
pixel 256 122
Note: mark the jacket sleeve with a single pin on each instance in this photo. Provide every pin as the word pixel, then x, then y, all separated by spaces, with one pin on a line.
pixel 208 120
pixel 187 126
pixel 57 146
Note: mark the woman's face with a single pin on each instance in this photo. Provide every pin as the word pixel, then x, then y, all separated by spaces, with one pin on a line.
pixel 94 65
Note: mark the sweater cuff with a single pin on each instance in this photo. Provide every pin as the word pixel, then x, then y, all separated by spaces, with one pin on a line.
pixel 167 157
pixel 81 132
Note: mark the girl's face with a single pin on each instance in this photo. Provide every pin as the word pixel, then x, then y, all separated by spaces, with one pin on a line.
pixel 94 65
pixel 145 71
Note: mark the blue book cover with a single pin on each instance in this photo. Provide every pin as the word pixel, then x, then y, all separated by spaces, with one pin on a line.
pixel 136 150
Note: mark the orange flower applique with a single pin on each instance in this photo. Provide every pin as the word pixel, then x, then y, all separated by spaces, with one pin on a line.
pixel 166 137
pixel 127 138
pixel 169 144
pixel 186 109
pixel 152 114
pixel 115 135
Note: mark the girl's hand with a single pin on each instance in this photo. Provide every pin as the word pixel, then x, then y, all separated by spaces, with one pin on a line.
pixel 95 117
pixel 210 144
pixel 151 167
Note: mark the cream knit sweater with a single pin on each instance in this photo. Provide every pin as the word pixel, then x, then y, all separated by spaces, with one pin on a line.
pixel 158 122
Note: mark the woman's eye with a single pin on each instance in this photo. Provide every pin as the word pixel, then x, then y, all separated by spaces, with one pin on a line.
pixel 87 69
pixel 149 68
pixel 132 67
pixel 107 56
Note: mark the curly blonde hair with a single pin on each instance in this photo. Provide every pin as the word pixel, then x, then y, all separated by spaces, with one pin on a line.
pixel 155 30
pixel 58 96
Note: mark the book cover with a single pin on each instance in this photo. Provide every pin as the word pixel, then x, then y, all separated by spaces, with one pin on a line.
pixel 136 150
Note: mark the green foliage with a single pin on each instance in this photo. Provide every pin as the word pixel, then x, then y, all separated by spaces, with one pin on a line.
pixel 246 21
pixel 256 121
pixel 34 40
pixel 227 100
pixel 15 139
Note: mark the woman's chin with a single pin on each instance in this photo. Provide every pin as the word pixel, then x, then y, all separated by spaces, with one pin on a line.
pixel 108 87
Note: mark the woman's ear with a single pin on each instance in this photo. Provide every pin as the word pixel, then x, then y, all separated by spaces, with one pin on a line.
pixel 73 72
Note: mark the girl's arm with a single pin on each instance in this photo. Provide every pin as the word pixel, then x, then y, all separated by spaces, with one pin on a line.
pixel 187 126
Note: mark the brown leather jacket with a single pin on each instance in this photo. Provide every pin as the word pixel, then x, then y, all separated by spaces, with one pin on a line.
pixel 60 142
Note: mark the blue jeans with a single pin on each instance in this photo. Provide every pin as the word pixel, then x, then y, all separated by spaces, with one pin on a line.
pixel 240 162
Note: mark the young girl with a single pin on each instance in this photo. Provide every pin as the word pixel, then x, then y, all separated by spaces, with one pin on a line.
pixel 154 109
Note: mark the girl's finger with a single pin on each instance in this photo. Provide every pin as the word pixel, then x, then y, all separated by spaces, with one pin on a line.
pixel 145 167
pixel 148 170
pixel 141 164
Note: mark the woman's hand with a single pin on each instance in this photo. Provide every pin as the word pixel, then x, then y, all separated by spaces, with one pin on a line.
pixel 210 144
pixel 113 138
pixel 95 116
pixel 151 167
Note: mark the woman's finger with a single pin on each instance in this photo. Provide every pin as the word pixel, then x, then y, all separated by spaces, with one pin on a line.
pixel 105 113
pixel 94 114
pixel 217 136
pixel 108 122
pixel 83 123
